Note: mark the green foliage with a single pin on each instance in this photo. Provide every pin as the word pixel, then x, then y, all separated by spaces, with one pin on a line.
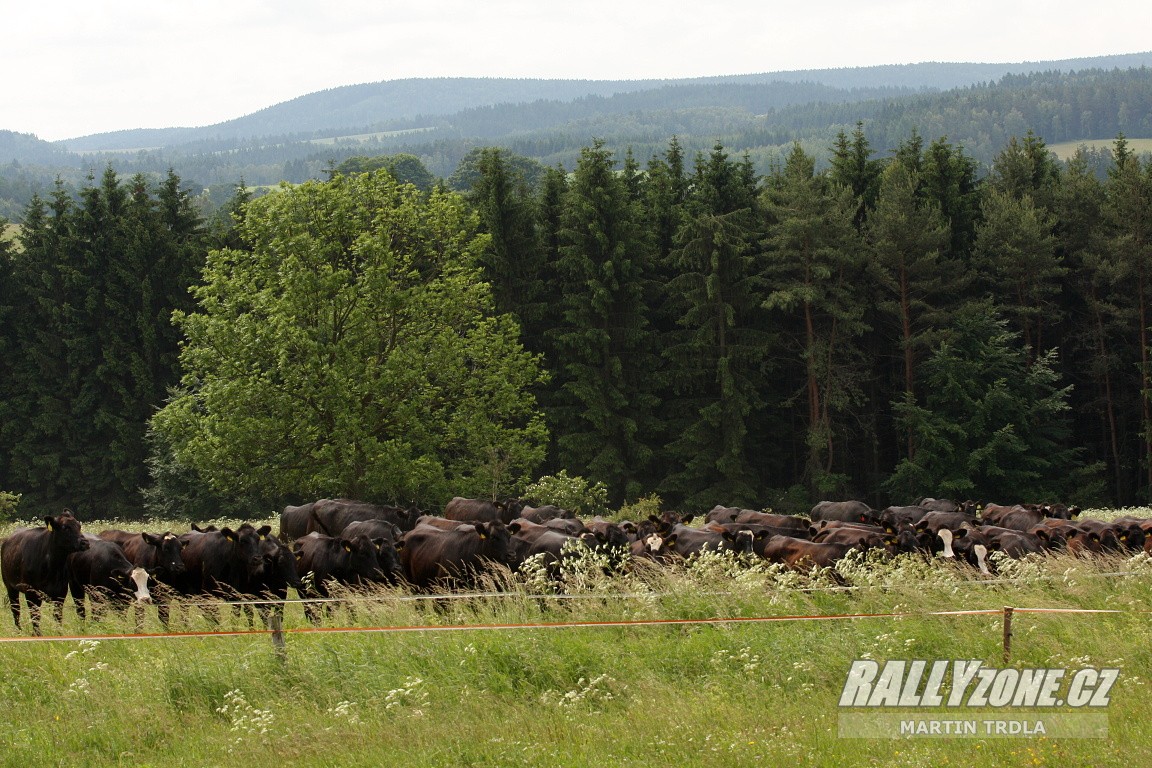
pixel 351 350
pixel 9 502
pixel 992 425
pixel 406 168
pixel 96 281
pixel 571 492
pixel 603 414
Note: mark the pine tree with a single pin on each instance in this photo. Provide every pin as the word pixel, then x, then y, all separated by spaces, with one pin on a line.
pixel 1015 254
pixel 514 261
pixel 814 265
pixel 906 238
pixel 1129 212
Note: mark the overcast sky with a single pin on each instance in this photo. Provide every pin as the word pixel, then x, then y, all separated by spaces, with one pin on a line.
pixel 76 67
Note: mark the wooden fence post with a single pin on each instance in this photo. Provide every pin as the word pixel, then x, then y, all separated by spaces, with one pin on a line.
pixel 1007 633
pixel 276 624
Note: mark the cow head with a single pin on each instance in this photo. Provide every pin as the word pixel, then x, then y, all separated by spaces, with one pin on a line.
pixel 168 547
pixel 65 532
pixel 246 541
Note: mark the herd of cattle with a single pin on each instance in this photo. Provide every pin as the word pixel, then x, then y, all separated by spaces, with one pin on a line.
pixel 354 543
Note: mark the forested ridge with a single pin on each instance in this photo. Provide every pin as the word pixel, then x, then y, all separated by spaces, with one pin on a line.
pixel 761 115
pixel 892 325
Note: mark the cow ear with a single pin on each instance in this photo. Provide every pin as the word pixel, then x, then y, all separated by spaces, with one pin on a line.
pixel 482 531
pixel 346 544
pixel 228 533
pixel 264 530
pixel 514 527
pixel 150 539
pixel 399 544
pixel 50 521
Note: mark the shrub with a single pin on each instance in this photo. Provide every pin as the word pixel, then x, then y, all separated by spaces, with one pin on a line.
pixel 8 504
pixel 575 494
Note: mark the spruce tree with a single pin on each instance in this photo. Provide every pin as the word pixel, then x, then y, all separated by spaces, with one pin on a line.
pixel 718 356
pixel 603 414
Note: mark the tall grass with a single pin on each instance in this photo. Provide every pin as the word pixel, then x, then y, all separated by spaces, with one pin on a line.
pixel 673 694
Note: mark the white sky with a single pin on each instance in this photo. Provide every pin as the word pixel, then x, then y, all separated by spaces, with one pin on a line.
pixel 75 67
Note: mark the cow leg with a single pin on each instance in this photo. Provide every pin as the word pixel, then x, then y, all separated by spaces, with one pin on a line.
pixel 58 609
pixel 14 604
pixel 78 601
pixel 34 602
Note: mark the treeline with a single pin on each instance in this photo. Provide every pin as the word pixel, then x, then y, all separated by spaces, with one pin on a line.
pixel 87 346
pixel 881 329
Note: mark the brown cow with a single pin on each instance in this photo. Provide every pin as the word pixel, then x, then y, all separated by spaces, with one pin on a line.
pixel 432 556
pixel 483 510
pixel 801 554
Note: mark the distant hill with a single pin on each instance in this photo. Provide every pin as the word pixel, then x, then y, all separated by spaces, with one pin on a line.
pixel 377 106
pixel 440 121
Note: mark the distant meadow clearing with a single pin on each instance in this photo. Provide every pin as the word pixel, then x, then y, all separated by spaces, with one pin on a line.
pixel 615 670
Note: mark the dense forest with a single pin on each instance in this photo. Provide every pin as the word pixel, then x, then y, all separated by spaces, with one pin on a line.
pixel 889 325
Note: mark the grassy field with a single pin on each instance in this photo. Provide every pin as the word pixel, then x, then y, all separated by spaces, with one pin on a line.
pixel 1065 150
pixel 667 693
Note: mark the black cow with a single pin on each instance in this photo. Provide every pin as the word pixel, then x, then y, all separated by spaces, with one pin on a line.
pixel 686 542
pixel 160 555
pixel 794 523
pixel 103 573
pixel 432 556
pixel 1017 517
pixel 294 521
pixel 483 510
pixel 531 539
pixel 34 561
pixel 222 563
pixel 384 536
pixel 269 590
pixel 331 516
pixel 722 514
pixel 322 560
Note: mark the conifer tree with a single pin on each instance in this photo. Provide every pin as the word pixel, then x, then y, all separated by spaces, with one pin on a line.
pixel 906 238
pixel 814 265
pixel 718 356
pixel 603 414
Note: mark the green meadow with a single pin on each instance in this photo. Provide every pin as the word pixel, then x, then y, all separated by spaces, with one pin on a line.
pixel 659 666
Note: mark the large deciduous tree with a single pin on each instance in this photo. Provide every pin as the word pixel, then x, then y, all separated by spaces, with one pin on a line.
pixel 352 349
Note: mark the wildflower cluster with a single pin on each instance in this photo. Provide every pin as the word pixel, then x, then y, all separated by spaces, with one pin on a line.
pixel 412 697
pixel 593 692
pixel 246 720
